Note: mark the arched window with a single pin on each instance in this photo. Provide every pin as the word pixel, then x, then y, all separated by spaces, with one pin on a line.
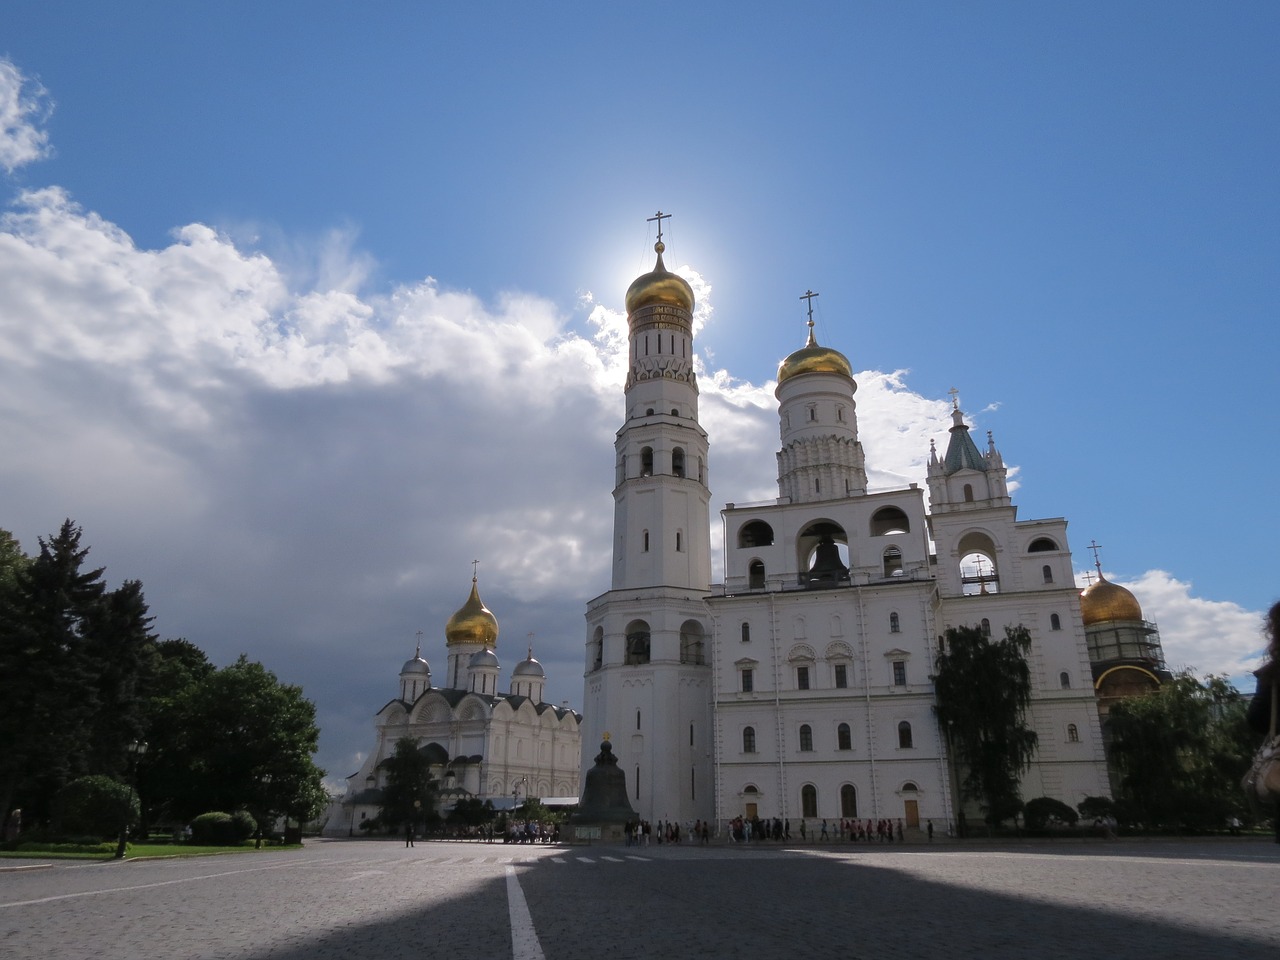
pixel 675 412
pixel 1042 545
pixel 1055 622
pixel 1064 678
pixel 888 520
pixel 986 627
pixel 645 548
pixel 677 462
pixel 757 533
pixel 746 632
pixel 597 648
pixel 692 643
pixel 844 737
pixel 808 800
pixel 1047 572
pixel 904 736
pixel 806 737
pixel 755 575
pixel 848 801
pixel 895 625
pixel 748 739
pixel 637 642
pixel 968 493
pixel 1073 733
pixel 679 541
pixel 893 562
pixel 646 461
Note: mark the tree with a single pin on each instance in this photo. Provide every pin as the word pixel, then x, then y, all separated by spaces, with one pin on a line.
pixel 241 738
pixel 983 690
pixel 1181 751
pixel 48 682
pixel 410 793
pixel 94 806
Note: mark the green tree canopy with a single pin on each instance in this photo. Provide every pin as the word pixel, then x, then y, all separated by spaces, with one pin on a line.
pixel 1181 752
pixel 410 793
pixel 70 654
pixel 983 690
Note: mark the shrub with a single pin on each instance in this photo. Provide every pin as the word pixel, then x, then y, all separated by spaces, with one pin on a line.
pixel 1042 811
pixel 1095 808
pixel 218 829
pixel 94 807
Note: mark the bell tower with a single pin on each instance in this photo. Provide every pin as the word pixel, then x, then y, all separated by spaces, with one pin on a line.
pixel 647 678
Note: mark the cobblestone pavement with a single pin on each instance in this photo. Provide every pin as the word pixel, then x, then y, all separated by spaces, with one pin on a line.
pixel 379 900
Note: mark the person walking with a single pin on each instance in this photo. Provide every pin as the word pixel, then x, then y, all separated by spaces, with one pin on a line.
pixel 408 833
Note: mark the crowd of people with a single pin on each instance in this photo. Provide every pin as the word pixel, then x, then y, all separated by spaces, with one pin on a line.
pixel 641 833
pixel 747 829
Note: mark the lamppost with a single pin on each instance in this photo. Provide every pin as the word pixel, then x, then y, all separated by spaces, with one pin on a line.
pixel 136 749
pixel 263 808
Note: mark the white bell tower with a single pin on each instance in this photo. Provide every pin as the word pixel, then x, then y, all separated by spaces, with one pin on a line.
pixel 647 674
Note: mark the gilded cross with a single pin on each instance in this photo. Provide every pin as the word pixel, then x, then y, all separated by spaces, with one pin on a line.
pixel 659 216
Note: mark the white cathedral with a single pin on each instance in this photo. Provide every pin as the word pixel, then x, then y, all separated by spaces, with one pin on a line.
pixel 482 743
pixel 801 687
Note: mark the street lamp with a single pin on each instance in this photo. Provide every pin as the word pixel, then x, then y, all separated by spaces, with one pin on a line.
pixel 136 749
pixel 263 808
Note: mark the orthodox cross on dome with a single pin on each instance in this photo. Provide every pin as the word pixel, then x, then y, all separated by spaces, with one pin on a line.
pixel 1088 578
pixel 1095 547
pixel 955 398
pixel 659 216
pixel 530 635
pixel 418 651
pixel 475 565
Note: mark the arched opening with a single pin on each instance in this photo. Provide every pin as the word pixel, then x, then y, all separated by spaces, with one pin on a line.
pixel 806 738
pixel 692 643
pixel 646 461
pixel 757 533
pixel 677 462
pixel 637 642
pixel 889 520
pixel 985 626
pixel 755 575
pixel 904 736
pixel 746 632
pixel 844 737
pixel 808 800
pixel 1064 679
pixel 1073 733
pixel 822 552
pixel 893 562
pixel 895 624
pixel 968 493
pixel 1055 622
pixel 597 649
pixel 848 801
pixel 1042 545
pixel 748 739
pixel 1047 572
pixel 978 570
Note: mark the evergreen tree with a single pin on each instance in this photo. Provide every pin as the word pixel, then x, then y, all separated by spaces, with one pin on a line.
pixel 410 793
pixel 48 679
pixel 983 690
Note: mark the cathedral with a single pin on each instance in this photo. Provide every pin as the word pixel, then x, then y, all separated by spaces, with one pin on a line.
pixel 801 686
pixel 480 742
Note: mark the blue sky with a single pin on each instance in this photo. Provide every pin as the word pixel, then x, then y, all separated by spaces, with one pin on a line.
pixel 303 307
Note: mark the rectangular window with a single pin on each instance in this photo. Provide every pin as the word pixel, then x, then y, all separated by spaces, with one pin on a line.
pixel 842 676
pixel 899 673
pixel 747 681
pixel 802 678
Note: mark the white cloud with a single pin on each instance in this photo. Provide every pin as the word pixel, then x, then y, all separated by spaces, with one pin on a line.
pixel 1208 636
pixel 24 108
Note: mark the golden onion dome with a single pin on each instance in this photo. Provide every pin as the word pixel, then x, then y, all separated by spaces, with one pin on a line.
pixel 812 358
pixel 659 286
pixel 1104 601
pixel 473 623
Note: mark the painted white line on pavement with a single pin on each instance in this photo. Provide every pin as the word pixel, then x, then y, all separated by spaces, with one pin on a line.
pixel 585 860
pixel 148 886
pixel 641 859
pixel 612 859
pixel 524 939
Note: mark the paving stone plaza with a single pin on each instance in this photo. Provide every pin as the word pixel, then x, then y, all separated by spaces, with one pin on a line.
pixel 379 900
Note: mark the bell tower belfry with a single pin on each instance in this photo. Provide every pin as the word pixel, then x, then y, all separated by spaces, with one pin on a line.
pixel 647 674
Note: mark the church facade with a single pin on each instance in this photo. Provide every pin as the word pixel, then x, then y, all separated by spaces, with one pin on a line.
pixel 480 742
pixel 801 686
